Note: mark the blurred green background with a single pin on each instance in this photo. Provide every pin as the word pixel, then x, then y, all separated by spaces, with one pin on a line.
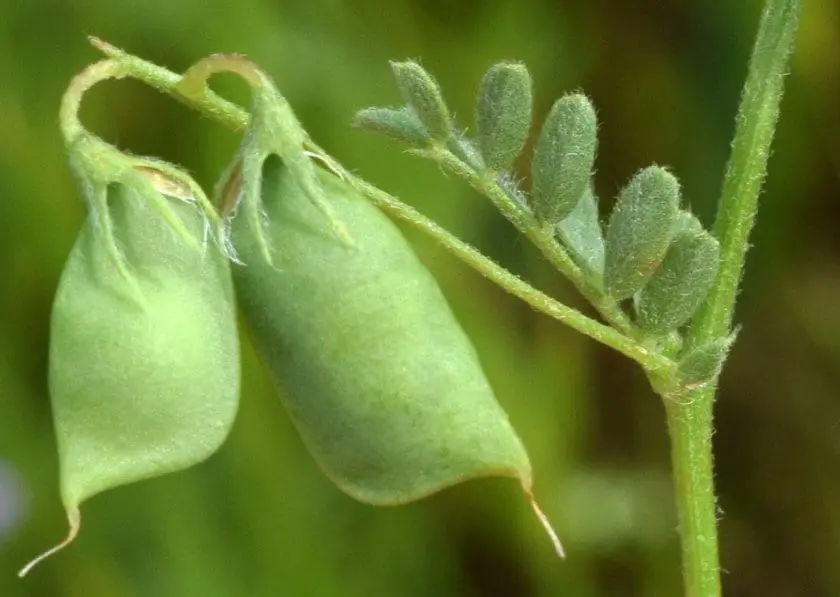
pixel 259 518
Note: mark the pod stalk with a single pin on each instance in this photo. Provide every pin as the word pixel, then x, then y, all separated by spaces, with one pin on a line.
pixel 81 83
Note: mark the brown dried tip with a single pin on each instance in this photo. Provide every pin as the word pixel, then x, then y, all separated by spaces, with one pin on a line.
pixel 552 534
pixel 231 190
pixel 328 163
pixel 166 185
pixel 74 519
pixel 103 46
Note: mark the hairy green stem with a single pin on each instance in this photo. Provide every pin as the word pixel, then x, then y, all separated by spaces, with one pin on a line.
pixel 513 284
pixel 165 81
pixel 690 429
pixel 528 225
pixel 690 417
pixel 747 167
pixel 234 117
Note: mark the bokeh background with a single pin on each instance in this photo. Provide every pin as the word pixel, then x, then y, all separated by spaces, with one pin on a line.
pixel 258 518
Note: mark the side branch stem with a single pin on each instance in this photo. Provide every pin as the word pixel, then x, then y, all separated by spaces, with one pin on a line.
pixel 234 117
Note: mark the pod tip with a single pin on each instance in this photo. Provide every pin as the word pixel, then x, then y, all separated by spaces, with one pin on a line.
pixel 74 519
pixel 552 534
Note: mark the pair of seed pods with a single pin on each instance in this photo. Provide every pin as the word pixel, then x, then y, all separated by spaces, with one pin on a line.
pixel 381 382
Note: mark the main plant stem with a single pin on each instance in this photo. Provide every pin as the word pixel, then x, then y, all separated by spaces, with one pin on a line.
pixel 690 417
pixel 690 430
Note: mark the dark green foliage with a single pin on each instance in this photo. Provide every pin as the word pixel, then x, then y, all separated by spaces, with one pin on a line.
pixel 503 114
pixel 563 158
pixel 422 94
pixel 680 285
pixel 641 227
pixel 401 124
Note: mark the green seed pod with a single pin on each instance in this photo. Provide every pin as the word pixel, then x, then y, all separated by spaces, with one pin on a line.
pixel 681 283
pixel 422 94
pixel 563 158
pixel 140 387
pixel 143 361
pixel 503 114
pixel 641 227
pixel 401 124
pixel 580 232
pixel 381 382
pixel 383 385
